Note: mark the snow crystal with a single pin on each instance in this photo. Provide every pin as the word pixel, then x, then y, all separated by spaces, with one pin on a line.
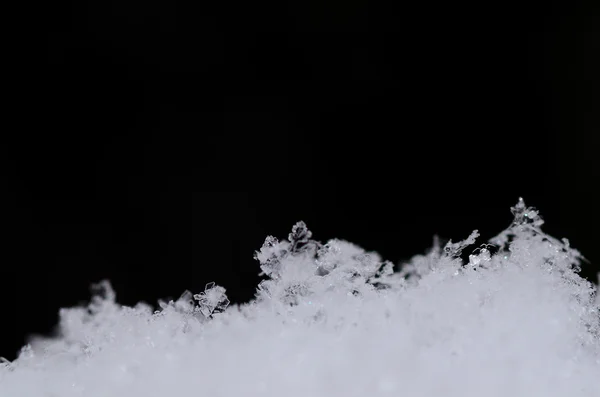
pixel 333 320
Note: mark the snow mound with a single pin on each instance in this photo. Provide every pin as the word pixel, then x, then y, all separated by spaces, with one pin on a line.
pixel 330 319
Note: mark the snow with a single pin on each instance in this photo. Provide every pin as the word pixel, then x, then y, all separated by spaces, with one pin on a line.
pixel 333 320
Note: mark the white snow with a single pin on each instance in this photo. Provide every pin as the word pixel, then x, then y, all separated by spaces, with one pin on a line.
pixel 333 320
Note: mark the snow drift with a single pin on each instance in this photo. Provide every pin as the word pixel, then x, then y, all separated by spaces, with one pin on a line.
pixel 515 319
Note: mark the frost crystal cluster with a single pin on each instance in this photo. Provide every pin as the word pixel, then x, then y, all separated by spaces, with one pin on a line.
pixel 515 319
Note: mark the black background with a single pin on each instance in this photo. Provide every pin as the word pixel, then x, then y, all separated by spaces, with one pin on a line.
pixel 156 144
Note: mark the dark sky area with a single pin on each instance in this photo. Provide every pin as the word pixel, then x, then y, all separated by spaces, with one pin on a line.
pixel 156 144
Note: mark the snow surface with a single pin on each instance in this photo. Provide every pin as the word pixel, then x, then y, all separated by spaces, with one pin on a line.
pixel 333 320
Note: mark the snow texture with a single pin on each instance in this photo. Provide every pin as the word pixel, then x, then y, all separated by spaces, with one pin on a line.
pixel 333 320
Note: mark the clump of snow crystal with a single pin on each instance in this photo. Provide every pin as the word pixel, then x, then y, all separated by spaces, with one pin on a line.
pixel 330 319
